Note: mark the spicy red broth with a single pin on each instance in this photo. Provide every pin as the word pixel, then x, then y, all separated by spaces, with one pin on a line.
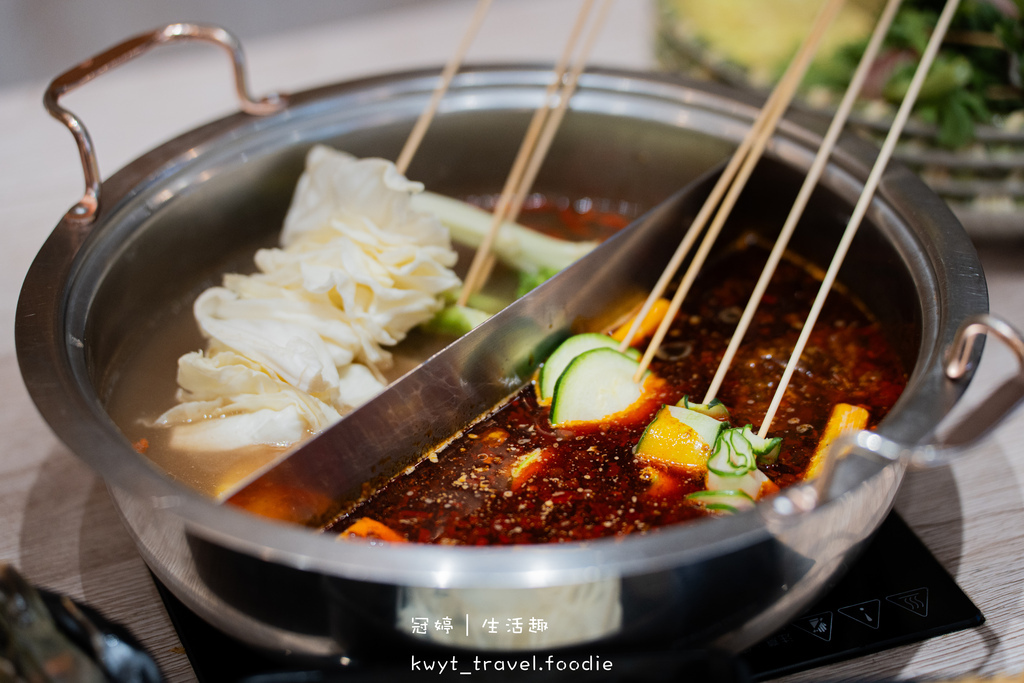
pixel 513 478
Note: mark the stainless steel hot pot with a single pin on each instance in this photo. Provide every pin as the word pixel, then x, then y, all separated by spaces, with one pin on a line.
pixel 166 223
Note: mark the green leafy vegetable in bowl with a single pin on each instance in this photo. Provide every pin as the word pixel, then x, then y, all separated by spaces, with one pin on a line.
pixel 976 78
pixel 966 138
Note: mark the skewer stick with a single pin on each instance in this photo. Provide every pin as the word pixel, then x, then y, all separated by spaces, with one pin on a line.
pixel 862 204
pixel 717 192
pixel 810 182
pixel 535 146
pixel 447 74
pixel 555 120
pixel 772 112
pixel 547 136
pixel 482 260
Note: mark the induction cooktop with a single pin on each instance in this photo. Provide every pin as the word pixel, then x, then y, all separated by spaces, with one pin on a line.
pixel 895 593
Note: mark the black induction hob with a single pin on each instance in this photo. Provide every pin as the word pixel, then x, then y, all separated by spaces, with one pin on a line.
pixel 895 593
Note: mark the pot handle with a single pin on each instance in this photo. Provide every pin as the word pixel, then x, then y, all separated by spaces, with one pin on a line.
pixel 85 210
pixel 978 422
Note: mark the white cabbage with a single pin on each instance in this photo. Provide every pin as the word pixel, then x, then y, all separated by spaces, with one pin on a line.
pixel 299 343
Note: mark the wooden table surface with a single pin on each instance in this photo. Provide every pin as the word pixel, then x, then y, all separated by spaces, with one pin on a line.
pixel 57 524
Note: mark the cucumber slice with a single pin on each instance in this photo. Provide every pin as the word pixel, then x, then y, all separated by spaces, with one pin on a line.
pixel 713 408
pixel 595 384
pixel 749 482
pixel 723 501
pixel 559 360
pixel 766 451
pixel 733 455
pixel 707 428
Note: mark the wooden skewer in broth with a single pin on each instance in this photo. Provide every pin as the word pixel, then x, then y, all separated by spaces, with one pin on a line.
pixel 551 127
pixel 481 265
pixel 810 182
pixel 547 136
pixel 862 204
pixel 730 184
pixel 535 145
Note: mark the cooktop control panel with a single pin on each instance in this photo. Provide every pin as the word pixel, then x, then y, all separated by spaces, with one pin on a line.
pixel 895 593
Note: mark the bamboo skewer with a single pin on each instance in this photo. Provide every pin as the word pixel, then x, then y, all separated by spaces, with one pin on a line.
pixel 810 182
pixel 717 192
pixel 412 143
pixel 547 136
pixel 874 178
pixel 555 119
pixel 481 264
pixel 768 118
pixel 535 145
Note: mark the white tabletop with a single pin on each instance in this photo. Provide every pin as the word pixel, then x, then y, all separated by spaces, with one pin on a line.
pixel 57 524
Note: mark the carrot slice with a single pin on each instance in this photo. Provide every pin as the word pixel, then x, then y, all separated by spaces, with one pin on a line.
pixel 364 527
pixel 768 488
pixel 650 323
pixel 844 418
pixel 525 467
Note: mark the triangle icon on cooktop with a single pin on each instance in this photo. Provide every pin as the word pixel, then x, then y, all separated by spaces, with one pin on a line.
pixel 867 613
pixel 915 601
pixel 818 625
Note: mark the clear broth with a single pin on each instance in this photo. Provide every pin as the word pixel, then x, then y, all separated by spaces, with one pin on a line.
pixel 145 384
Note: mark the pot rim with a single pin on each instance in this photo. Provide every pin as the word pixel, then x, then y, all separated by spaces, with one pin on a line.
pixel 52 355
